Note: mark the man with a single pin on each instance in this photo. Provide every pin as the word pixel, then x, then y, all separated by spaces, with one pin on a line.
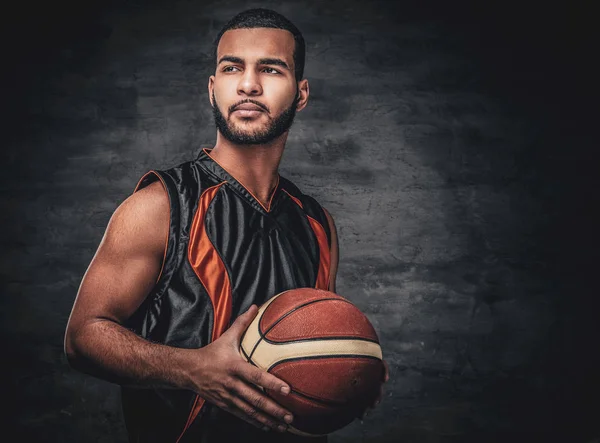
pixel 187 258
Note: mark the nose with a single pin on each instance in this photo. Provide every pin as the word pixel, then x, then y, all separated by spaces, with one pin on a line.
pixel 249 83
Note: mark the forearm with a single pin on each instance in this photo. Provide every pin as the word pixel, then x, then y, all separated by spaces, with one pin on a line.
pixel 111 352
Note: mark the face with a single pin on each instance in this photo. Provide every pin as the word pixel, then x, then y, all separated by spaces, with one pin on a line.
pixel 254 93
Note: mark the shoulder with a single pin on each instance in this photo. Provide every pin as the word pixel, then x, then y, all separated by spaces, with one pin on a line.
pixel 294 191
pixel 183 183
pixel 151 200
pixel 180 173
pixel 311 206
pixel 141 221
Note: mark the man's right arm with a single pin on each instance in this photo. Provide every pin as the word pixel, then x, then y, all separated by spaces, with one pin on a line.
pixel 120 276
pixel 122 273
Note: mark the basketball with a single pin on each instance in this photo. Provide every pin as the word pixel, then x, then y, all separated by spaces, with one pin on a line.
pixel 325 348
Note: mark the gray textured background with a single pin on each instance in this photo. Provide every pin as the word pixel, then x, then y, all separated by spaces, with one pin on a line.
pixel 450 141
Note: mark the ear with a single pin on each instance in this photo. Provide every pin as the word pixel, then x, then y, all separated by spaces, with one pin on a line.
pixel 211 88
pixel 303 93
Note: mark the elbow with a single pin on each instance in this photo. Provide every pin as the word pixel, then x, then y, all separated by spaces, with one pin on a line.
pixel 70 347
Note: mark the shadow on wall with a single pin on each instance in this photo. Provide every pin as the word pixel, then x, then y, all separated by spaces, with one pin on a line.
pixel 428 136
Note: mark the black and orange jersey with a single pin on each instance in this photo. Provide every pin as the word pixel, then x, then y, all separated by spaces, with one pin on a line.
pixel 225 251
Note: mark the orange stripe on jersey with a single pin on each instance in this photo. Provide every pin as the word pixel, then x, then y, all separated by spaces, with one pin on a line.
pixel 211 272
pixel 208 266
pixel 298 202
pixel 324 253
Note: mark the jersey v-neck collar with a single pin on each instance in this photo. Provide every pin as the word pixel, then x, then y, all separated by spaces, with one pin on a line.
pixel 212 166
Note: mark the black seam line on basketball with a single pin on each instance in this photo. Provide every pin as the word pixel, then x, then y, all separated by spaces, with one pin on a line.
pixel 337 337
pixel 251 362
pixel 244 352
pixel 317 357
pixel 313 399
pixel 316 400
pixel 320 357
pixel 262 336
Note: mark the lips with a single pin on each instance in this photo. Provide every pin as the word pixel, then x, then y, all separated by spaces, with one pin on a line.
pixel 248 111
pixel 248 107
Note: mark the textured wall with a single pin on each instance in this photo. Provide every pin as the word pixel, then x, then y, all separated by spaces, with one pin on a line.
pixel 449 143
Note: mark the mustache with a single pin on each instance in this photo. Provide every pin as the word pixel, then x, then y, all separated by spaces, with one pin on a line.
pixel 249 100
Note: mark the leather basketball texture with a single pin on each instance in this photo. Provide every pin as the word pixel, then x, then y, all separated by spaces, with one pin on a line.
pixel 325 348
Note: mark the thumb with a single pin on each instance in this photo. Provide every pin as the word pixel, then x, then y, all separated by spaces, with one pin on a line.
pixel 239 326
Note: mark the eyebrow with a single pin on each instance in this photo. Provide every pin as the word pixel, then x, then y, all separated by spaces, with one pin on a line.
pixel 230 58
pixel 262 61
pixel 273 61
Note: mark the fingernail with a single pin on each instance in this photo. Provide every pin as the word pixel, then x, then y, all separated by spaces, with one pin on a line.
pixel 281 428
pixel 288 418
pixel 285 390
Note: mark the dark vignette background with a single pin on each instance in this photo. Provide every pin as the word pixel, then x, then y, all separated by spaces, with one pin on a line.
pixel 452 142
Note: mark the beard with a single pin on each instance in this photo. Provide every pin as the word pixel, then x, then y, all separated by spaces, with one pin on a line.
pixel 274 129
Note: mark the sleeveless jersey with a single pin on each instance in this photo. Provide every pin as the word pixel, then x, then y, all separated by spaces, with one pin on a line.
pixel 225 251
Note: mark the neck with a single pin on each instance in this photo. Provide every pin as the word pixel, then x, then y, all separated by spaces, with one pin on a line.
pixel 254 166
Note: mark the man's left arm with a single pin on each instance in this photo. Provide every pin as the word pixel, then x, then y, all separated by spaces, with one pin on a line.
pixel 335 253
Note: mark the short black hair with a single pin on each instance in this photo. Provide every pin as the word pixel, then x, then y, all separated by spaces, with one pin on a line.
pixel 267 18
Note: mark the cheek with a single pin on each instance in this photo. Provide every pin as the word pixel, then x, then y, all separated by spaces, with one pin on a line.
pixel 222 92
pixel 284 98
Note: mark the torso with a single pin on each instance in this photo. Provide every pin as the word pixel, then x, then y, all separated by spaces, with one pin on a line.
pixel 225 251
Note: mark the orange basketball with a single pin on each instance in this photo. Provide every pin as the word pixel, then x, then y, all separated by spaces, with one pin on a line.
pixel 325 348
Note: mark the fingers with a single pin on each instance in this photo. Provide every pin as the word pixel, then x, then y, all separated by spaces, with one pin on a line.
pixel 261 408
pixel 369 408
pixel 243 321
pixel 385 378
pixel 252 415
pixel 379 397
pixel 244 411
pixel 386 375
pixel 261 378
pixel 234 409
pixel 364 414
pixel 249 404
pixel 236 331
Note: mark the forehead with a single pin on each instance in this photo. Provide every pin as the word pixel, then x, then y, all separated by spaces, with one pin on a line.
pixel 257 43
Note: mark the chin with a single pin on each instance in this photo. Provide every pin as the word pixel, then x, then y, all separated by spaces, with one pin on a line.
pixel 250 128
pixel 236 121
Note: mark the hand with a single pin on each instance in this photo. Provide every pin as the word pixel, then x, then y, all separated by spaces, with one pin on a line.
pixel 224 379
pixel 385 378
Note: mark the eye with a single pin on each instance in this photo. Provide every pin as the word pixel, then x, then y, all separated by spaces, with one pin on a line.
pixel 271 71
pixel 230 68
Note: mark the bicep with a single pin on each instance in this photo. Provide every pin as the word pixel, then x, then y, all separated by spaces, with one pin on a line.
pixel 334 252
pixel 128 260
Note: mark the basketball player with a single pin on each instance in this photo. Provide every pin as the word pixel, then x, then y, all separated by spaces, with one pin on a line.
pixel 186 259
